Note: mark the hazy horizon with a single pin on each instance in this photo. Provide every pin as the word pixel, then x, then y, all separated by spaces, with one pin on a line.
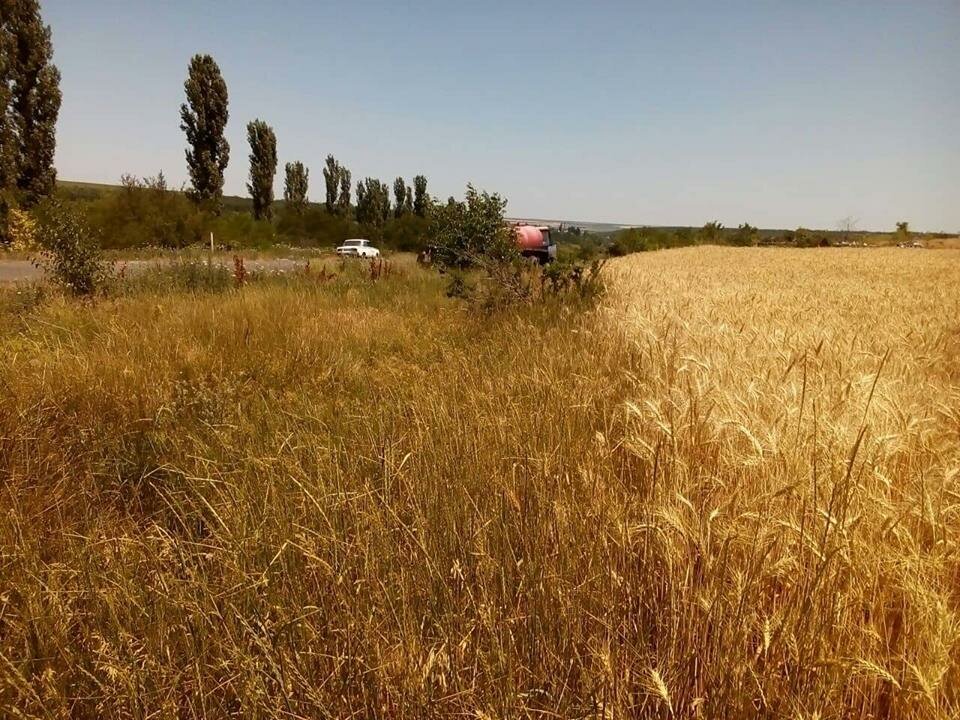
pixel 779 116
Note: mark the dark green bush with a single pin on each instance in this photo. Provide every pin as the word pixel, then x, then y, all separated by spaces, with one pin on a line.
pixel 146 213
pixel 314 227
pixel 69 250
pixel 407 233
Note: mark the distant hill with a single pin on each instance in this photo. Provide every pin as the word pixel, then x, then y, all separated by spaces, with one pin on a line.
pixel 76 190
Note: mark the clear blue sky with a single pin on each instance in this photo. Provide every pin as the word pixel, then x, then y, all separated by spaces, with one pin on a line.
pixel 780 114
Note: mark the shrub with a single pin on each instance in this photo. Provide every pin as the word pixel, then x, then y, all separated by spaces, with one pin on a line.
pixel 745 235
pixel 22 231
pixel 473 233
pixel 146 212
pixel 627 241
pixel 407 233
pixel 69 250
pixel 314 226
pixel 239 230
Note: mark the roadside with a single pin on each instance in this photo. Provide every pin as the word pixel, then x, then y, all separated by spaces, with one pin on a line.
pixel 17 270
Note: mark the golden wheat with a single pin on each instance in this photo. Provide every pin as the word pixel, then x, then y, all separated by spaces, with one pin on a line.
pixel 731 491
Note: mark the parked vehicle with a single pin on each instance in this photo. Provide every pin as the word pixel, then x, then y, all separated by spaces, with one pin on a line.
pixel 535 242
pixel 358 248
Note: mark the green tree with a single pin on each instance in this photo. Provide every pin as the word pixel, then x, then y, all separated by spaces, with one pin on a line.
pixel 745 235
pixel 9 143
pixel 29 106
pixel 711 232
pixel 295 186
pixel 400 196
pixel 263 167
pixel 343 199
pixel 421 201
pixel 204 118
pixel 331 178
pixel 70 251
pixel 408 202
pixel 473 232
pixel 373 203
pixel 903 231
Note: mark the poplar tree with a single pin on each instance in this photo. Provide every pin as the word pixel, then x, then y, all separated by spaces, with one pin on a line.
pixel 400 195
pixel 332 174
pixel 295 186
pixel 204 118
pixel 29 106
pixel 343 200
pixel 263 167
pixel 421 201
pixel 373 202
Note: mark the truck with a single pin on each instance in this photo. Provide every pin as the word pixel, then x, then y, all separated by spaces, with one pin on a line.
pixel 535 242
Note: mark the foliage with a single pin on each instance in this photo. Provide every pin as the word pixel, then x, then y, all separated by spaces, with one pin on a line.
pixel 331 178
pixel 314 226
pixel 30 100
pixel 204 118
pixel 337 180
pixel 236 230
pixel 474 244
pixel 408 233
pixel 711 233
pixel 373 204
pixel 802 237
pixel 343 199
pixel 400 197
pixel 631 240
pixel 145 212
pixel 295 186
pixel 903 232
pixel 69 251
pixel 421 201
pixel 505 285
pixel 182 275
pixel 263 167
pixel 745 235
pixel 22 229
pixel 472 233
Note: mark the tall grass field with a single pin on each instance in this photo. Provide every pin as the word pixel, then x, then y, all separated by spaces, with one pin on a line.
pixel 730 490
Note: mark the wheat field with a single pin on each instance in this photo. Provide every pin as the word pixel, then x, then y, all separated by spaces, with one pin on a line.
pixel 732 490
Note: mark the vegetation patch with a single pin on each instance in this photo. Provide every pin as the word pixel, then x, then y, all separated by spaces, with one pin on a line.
pixel 720 492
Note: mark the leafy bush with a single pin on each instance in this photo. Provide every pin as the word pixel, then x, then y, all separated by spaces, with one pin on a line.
pixel 631 240
pixel 22 231
pixel 478 249
pixel 407 233
pixel 314 226
pixel 145 212
pixel 473 233
pixel 239 230
pixel 745 235
pixel 69 250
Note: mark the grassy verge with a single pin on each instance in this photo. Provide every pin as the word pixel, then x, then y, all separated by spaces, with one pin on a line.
pixel 325 497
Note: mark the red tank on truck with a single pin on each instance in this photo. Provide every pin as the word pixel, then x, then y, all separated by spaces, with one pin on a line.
pixel 535 242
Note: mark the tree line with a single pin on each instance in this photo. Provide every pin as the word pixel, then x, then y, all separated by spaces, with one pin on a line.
pixel 30 100
pixel 204 119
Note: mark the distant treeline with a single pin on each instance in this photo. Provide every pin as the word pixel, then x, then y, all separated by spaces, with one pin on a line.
pixel 143 212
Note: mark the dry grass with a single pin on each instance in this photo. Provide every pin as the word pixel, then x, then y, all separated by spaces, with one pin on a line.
pixel 732 491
